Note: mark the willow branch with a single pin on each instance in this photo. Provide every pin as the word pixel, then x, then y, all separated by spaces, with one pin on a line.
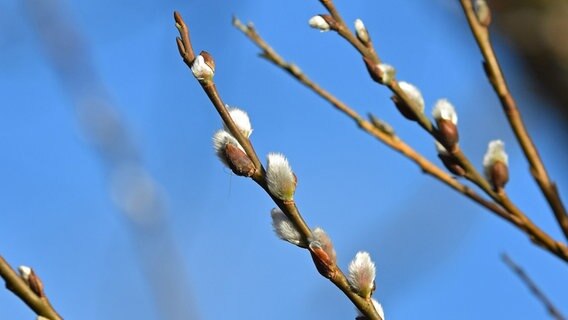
pixel 512 214
pixel 535 290
pixel 497 79
pixel 39 304
pixel 383 136
pixel 520 219
pixel 289 208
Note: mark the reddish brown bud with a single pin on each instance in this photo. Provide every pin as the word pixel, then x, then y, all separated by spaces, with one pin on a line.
pixel 404 109
pixel 448 134
pixel 373 70
pixel 32 280
pixel 208 58
pixel 239 161
pixel 499 175
pixel 323 262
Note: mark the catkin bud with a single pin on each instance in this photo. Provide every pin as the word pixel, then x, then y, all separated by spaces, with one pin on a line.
pixel 382 73
pixel 232 155
pixel 361 32
pixel 322 252
pixel 241 120
pixel 285 229
pixel 447 120
pixel 320 23
pixel 238 161
pixel 414 96
pixel 362 274
pixel 280 179
pixel 32 280
pixel 203 66
pixel 496 165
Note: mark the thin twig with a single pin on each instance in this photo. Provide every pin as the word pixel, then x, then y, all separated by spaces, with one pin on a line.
pixel 336 276
pixel 14 283
pixel 552 310
pixel 497 80
pixel 512 214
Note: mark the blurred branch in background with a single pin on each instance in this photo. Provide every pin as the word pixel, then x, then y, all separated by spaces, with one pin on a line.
pixel 132 188
pixel 552 310
pixel 537 31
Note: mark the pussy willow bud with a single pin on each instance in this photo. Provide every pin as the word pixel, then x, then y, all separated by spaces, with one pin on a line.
pixel 220 139
pixel 285 229
pixel 32 280
pixel 238 161
pixel 415 97
pixel 241 120
pixel 447 120
pixel 449 161
pixel 382 73
pixel 387 73
pixel 280 179
pixel 320 23
pixel 361 32
pixel 203 66
pixel 362 274
pixel 496 165
pixel 482 12
pixel 323 253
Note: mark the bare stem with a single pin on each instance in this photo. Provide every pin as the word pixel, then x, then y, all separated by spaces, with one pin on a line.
pixel 535 290
pixel 14 283
pixel 511 213
pixel 288 207
pixel 497 80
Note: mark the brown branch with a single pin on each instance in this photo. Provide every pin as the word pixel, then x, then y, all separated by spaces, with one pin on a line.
pixel 518 217
pixel 497 79
pixel 389 139
pixel 39 304
pixel 552 310
pixel 512 214
pixel 335 275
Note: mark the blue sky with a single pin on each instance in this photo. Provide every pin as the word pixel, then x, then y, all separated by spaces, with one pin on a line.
pixel 437 253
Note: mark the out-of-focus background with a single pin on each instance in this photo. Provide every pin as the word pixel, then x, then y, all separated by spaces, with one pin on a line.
pixel 111 191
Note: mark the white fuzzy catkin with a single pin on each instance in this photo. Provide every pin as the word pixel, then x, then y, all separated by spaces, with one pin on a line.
pixel 445 110
pixel 362 274
pixel 413 94
pixel 387 72
pixel 279 177
pixel 495 152
pixel 318 22
pixel 25 272
pixel 284 228
pixel 241 120
pixel 200 69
